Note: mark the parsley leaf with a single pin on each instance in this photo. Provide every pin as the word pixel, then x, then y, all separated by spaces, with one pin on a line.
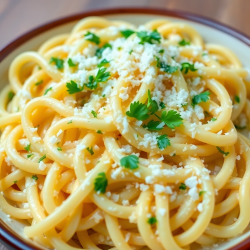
pixel 127 33
pixel 182 186
pixel 130 51
pixel 94 113
pixel 39 83
pixel 152 103
pixel 154 125
pixel 57 61
pixel 59 149
pixel 187 66
pixel 42 158
pixel 47 90
pixel 162 105
pixel 152 220
pixel 201 193
pixel 213 119
pixel 202 97
pixel 138 110
pixel 163 141
pixel 99 51
pixel 183 42
pixel 101 76
pixel 221 151
pixel 90 150
pixel 149 37
pixel 27 148
pixel 29 155
pixel 70 63
pixel 237 99
pixel 101 182
pixel 10 95
pixel 166 67
pixel 130 161
pixel 171 118
pixel 69 122
pixel 99 132
pixel 34 177
pixel 92 37
pixel 102 63
pixel 15 182
pixel 73 88
pixel 161 51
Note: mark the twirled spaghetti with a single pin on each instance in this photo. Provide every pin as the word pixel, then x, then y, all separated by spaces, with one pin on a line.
pixel 123 137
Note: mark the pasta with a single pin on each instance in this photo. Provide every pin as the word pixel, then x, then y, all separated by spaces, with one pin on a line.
pixel 124 137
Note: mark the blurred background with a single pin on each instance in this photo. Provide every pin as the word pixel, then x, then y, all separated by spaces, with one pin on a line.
pixel 19 16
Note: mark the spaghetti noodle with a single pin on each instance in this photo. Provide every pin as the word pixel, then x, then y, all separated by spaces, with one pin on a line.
pixel 124 137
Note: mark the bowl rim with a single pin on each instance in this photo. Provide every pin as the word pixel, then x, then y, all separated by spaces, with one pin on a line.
pixel 8 236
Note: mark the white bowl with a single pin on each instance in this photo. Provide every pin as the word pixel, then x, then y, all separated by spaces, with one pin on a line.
pixel 11 233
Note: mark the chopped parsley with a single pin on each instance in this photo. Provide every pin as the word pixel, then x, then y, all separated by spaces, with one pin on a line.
pixel 183 186
pixel 99 51
pixel 90 150
pixel 119 48
pixel 101 76
pixel 237 99
pixel 171 118
pixel 73 88
pixel 10 95
pixel 101 183
pixel 27 148
pixel 154 125
pixel 102 63
pixel 201 193
pixel 29 155
pixel 130 51
pixel 69 122
pixel 47 90
pixel 166 67
pixel 42 158
pixel 187 66
pixel 59 149
pixel 94 113
pixel 34 177
pixel 39 83
pixel 183 42
pixel 57 61
pixel 223 152
pixel 149 37
pixel 204 54
pixel 15 182
pixel 152 103
pixel 161 51
pixel 130 161
pixel 202 97
pixel 152 220
pixel 99 132
pixel 163 141
pixel 138 110
pixel 162 105
pixel 213 119
pixel 127 33
pixel 70 63
pixel 92 37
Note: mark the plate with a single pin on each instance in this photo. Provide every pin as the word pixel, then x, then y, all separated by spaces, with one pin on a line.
pixel 11 233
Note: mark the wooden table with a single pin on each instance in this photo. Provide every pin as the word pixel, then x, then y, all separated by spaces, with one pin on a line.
pixel 17 17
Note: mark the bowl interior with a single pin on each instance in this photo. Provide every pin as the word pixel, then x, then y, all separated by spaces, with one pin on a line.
pixel 209 34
